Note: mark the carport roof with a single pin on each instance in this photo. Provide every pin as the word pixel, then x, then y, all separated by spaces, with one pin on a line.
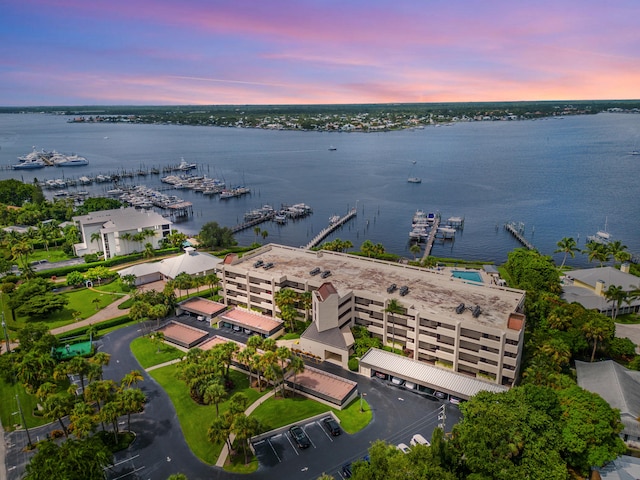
pixel 254 321
pixel 202 306
pixel 408 369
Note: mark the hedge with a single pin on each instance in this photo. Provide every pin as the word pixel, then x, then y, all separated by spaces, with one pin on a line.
pixel 113 322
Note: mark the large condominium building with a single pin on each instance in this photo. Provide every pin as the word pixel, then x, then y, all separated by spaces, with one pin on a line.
pixel 469 328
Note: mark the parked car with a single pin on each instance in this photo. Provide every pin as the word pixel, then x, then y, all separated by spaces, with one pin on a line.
pixel 381 375
pixel 299 437
pixel 397 381
pixel 410 385
pixel 392 288
pixel 315 271
pixel 403 447
pixel 267 266
pixel 332 426
pixel 258 263
pixel 418 439
pixel 326 273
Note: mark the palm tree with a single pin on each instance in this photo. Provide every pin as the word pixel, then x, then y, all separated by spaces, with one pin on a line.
pixel 97 237
pixel 212 280
pixel 618 251
pixel 597 251
pixel 219 431
pixel 100 391
pixel 393 308
pixel 284 355
pixel 415 249
pixel 264 234
pixel 183 281
pixel 597 329
pixel 215 393
pixel 57 406
pixel 158 339
pixel 568 246
pixel 245 427
pixel 148 250
pixel 256 230
pixel 616 295
pixel 83 419
pixel 102 359
pixel 131 378
pixel 297 366
pixel 131 401
pixel 110 413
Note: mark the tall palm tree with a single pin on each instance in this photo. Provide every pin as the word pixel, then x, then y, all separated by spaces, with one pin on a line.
pixel 215 393
pixel 618 251
pixel 415 249
pixel 131 401
pixel 616 295
pixel 297 366
pixel 131 378
pixel 394 307
pixel 568 246
pixel 597 251
pixel 245 427
pixel 57 406
pixel 83 419
pixel 597 329
pixel 219 431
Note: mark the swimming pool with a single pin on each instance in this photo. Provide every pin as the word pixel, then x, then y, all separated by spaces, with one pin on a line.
pixel 467 275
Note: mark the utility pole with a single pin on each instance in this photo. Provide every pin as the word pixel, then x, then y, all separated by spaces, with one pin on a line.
pixel 24 423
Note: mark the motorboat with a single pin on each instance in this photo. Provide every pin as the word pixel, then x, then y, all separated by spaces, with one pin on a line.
pixel 70 161
pixel 414 180
pixel 29 165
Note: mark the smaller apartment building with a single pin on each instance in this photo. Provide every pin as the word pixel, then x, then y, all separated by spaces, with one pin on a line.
pixel 471 329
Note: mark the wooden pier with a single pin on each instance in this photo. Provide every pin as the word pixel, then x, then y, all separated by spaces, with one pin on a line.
pixel 431 238
pixel 326 231
pixel 253 223
pixel 517 230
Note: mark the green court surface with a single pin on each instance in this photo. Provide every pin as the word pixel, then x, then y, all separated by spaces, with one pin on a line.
pixel 67 350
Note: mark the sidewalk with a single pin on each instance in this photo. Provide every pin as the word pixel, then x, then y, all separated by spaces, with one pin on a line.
pixel 106 313
pixel 225 450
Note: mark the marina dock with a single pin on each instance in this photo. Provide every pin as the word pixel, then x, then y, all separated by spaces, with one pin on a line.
pixel 431 238
pixel 333 226
pixel 517 230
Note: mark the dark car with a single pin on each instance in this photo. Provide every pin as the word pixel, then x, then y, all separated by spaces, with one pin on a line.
pixel 315 271
pixel 332 426
pixel 299 437
pixel 404 290
pixel 326 273
pixel 258 263
pixel 392 288
pixel 268 266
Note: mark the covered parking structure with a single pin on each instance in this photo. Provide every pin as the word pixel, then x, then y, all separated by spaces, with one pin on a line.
pixel 422 377
pixel 251 323
pixel 201 308
pixel 183 335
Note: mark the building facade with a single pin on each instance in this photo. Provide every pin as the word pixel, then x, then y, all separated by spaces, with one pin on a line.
pixel 466 327
pixel 119 231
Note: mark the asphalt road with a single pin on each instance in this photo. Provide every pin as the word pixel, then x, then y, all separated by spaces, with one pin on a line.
pixel 161 450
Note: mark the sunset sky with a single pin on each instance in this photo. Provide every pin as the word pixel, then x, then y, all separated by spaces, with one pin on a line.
pixel 153 52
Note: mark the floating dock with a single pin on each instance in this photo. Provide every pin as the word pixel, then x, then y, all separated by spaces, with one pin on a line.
pixel 333 226
pixel 517 230
pixel 431 238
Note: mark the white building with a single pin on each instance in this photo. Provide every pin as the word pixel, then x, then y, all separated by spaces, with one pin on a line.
pixel 120 231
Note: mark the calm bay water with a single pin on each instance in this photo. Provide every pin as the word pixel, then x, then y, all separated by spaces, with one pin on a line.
pixel 561 177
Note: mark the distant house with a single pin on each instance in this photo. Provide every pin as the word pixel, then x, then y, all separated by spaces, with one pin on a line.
pixel 587 287
pixel 120 231
pixel 619 387
pixel 192 262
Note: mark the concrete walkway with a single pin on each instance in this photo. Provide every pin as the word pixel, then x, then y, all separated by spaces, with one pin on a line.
pixel 106 313
pixel 225 449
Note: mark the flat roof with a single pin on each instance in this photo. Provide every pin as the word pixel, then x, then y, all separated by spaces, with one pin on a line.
pixel 429 290
pixel 409 369
pixel 183 334
pixel 325 383
pixel 202 306
pixel 254 321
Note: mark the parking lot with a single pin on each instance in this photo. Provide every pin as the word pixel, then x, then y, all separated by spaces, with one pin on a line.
pixel 281 447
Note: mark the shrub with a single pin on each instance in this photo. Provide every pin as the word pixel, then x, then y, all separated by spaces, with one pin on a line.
pixel 353 364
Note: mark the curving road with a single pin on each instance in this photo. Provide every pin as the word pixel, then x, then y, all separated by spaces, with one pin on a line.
pixel 161 450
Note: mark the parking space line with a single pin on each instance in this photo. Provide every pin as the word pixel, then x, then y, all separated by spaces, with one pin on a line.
pixel 325 431
pixel 295 449
pixel 274 451
pixel 305 432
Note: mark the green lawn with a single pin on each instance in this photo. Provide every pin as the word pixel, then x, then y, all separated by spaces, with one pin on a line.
pixel 147 354
pixel 10 406
pixel 278 412
pixel 195 419
pixel 80 300
pixel 55 254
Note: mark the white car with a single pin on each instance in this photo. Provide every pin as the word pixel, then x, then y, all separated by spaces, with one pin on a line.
pixel 403 447
pixel 419 439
